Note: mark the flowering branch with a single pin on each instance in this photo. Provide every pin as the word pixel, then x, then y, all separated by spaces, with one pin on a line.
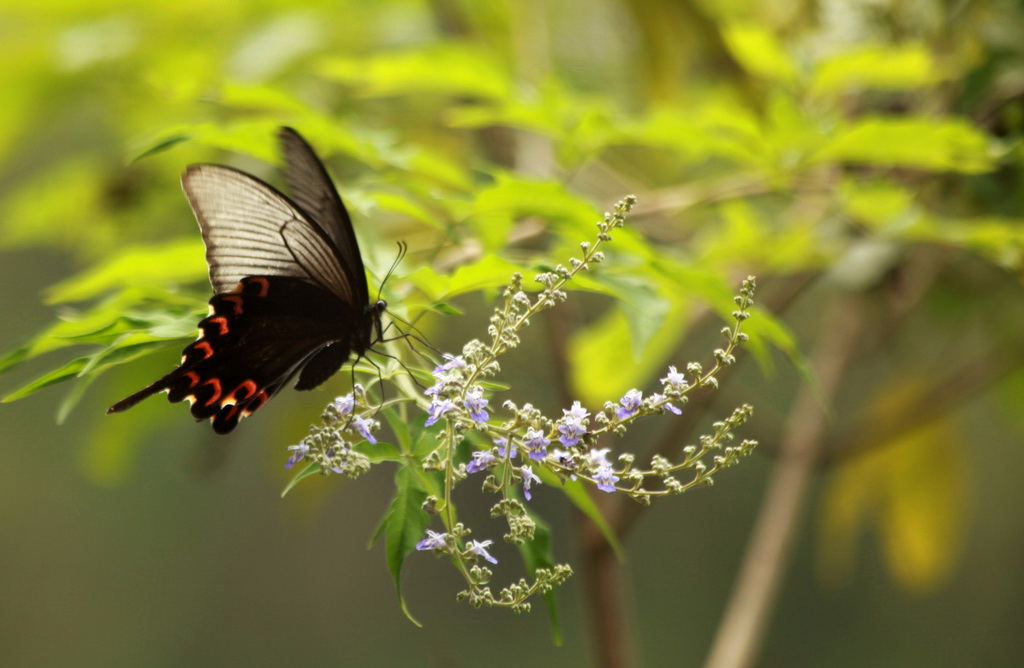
pixel 513 453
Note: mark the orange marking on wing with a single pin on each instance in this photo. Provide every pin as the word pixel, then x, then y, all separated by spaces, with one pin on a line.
pixel 205 347
pixel 264 285
pixel 249 388
pixel 221 322
pixel 192 376
pixel 256 403
pixel 236 302
pixel 215 382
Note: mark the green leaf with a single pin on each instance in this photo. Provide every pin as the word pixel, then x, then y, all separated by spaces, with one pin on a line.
pixel 178 261
pixel 489 271
pixel 511 198
pixel 579 495
pixel 760 52
pixel 883 67
pixel 312 468
pixel 644 309
pixel 443 69
pixel 403 526
pixel 931 144
pixel 62 373
pixel 537 553
pixel 131 349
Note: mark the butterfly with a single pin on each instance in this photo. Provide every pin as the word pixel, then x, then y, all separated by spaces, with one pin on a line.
pixel 290 289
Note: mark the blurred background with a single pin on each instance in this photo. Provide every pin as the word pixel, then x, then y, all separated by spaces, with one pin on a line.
pixel 861 157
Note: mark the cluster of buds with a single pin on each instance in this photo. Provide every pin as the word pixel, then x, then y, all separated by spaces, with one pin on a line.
pixel 345 422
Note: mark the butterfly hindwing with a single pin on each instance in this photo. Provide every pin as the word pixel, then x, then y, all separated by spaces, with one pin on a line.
pixel 254 340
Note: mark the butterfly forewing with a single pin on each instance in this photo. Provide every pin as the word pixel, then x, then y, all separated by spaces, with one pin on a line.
pixel 246 224
pixel 311 188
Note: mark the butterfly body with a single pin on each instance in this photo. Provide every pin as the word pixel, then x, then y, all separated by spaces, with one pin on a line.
pixel 291 296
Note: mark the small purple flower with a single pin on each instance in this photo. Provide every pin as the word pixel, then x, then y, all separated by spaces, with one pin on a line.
pixel 577 411
pixel 536 444
pixel 606 479
pixel 529 477
pixel 667 405
pixel 476 404
pixel 479 548
pixel 344 404
pixel 674 379
pixel 299 453
pixel 451 362
pixel 501 443
pixel 481 460
pixel 571 429
pixel 571 425
pixel 363 426
pixel 599 458
pixel 437 409
pixel 629 404
pixel 433 541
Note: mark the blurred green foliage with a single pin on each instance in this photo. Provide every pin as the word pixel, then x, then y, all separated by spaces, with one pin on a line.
pixel 833 146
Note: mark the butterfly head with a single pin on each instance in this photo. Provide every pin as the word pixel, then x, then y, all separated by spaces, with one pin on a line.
pixel 375 311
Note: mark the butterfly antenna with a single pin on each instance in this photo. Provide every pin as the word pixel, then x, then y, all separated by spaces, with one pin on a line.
pixel 403 248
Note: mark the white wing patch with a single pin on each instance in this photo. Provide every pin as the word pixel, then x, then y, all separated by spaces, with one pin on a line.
pixel 250 229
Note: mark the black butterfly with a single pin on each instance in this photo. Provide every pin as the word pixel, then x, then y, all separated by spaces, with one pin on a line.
pixel 291 293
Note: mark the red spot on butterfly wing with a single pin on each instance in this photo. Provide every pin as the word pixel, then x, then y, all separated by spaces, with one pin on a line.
pixel 255 285
pixel 215 395
pixel 220 322
pixel 234 300
pixel 202 347
pixel 255 403
pixel 245 390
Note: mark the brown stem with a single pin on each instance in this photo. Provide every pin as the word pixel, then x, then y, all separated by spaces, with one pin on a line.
pixel 768 554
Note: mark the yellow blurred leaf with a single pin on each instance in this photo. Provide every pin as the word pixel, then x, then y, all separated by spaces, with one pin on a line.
pixel 910 491
pixel 760 52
